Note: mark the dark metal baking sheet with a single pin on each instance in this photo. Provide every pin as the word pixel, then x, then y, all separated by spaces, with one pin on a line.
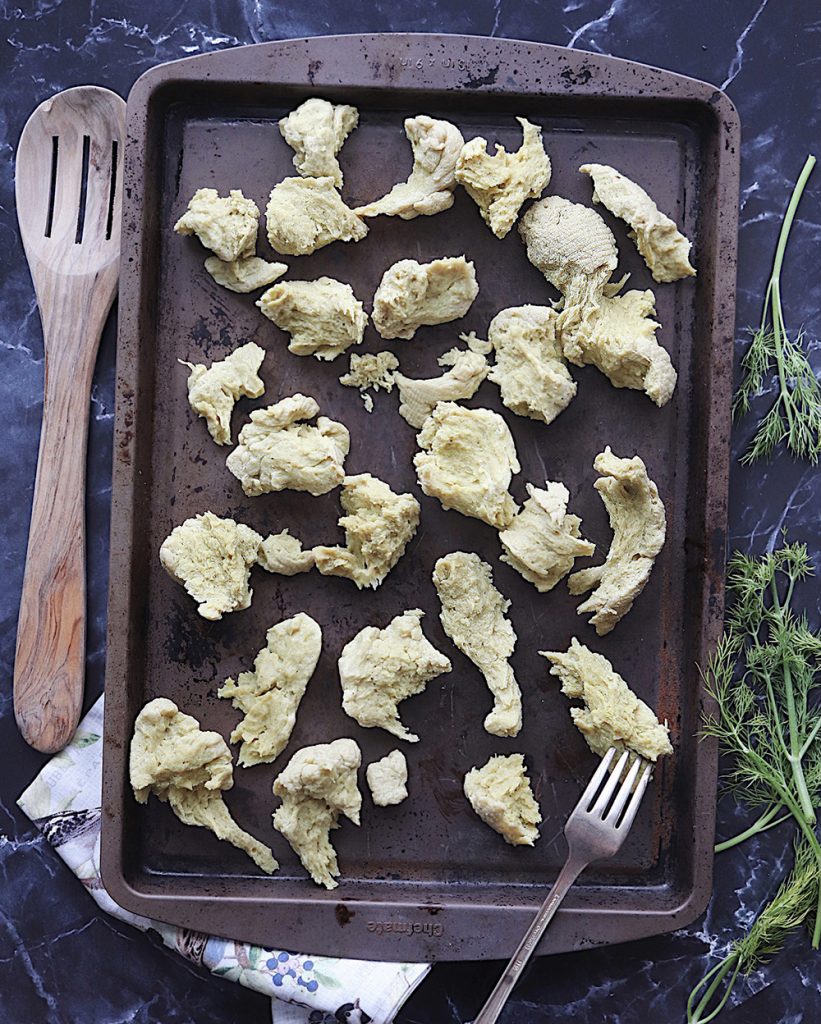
pixel 425 880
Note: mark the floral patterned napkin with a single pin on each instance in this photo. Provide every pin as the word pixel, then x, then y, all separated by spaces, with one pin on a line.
pixel 64 803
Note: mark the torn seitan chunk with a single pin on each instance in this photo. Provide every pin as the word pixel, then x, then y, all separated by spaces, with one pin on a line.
pixel 429 189
pixel 323 317
pixel 639 525
pixel 411 295
pixel 665 250
pixel 500 794
pixel 316 786
pixel 213 390
pixel 612 716
pixel 189 768
pixel 227 225
pixel 372 370
pixel 315 131
pixel 467 461
pixel 378 525
pixel 270 694
pixel 544 540
pixel 380 668
pixel 418 398
pixel 278 451
pixel 246 274
pixel 305 214
pixel 499 184
pixel 530 367
pixel 473 616
pixel 388 779
pixel 283 554
pixel 577 253
pixel 212 559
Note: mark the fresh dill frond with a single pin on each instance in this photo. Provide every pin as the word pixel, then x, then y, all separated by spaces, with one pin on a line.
pixel 795 416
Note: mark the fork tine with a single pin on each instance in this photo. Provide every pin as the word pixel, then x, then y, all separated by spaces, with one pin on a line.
pixel 598 776
pixel 635 800
pixel 624 792
pixel 600 806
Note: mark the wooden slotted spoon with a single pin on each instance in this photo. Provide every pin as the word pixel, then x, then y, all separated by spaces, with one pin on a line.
pixel 68 183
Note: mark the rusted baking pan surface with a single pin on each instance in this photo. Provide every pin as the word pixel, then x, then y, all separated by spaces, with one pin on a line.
pixel 426 879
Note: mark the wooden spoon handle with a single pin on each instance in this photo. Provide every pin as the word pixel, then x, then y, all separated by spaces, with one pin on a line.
pixel 49 667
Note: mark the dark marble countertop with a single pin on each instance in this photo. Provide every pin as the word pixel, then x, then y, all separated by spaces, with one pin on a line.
pixel 61 960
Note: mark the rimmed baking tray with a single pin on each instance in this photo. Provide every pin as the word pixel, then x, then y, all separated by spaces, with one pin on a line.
pixel 425 880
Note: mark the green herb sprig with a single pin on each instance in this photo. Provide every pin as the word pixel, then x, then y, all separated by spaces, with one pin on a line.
pixel 762 677
pixel 795 417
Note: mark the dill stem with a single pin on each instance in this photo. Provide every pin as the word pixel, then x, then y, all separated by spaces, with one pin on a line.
pixel 731 962
pixel 794 754
pixel 761 824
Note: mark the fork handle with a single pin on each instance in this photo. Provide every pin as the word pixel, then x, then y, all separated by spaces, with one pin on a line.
pixel 490 1012
pixel 49 666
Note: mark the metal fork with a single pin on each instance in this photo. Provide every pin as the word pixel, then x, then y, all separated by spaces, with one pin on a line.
pixel 596 828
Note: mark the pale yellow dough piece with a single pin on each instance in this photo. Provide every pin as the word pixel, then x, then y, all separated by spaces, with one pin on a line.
pixel 418 398
pixel 500 794
pixel 665 250
pixel 269 696
pixel 323 317
pixel 530 368
pixel 429 189
pixel 577 253
pixel 188 768
pixel 277 451
pixel 316 131
pixel 212 559
pixel 227 225
pixel 213 391
pixel 317 785
pixel 388 779
pixel 305 214
pixel 473 616
pixel 639 525
pixel 282 554
pixel 379 668
pixel 543 540
pixel 246 274
pixel 613 716
pixel 499 184
pixel 372 370
pixel 467 463
pixel 378 525
pixel 411 295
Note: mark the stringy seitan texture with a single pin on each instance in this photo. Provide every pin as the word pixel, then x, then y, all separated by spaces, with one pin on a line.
pixel 388 779
pixel 530 367
pixel 371 370
pixel 467 461
pixel 577 253
pixel 473 616
pixel 305 214
pixel 227 225
pixel 246 274
pixel 213 390
pixel 411 295
pixel 638 522
pixel 612 716
pixel 283 554
pixel 501 795
pixel 429 189
pixel 189 768
pixel 499 184
pixel 212 559
pixel 323 317
pixel 318 785
pixel 665 250
pixel 418 398
pixel 315 131
pixel 270 694
pixel 378 525
pixel 544 540
pixel 277 450
pixel 380 668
